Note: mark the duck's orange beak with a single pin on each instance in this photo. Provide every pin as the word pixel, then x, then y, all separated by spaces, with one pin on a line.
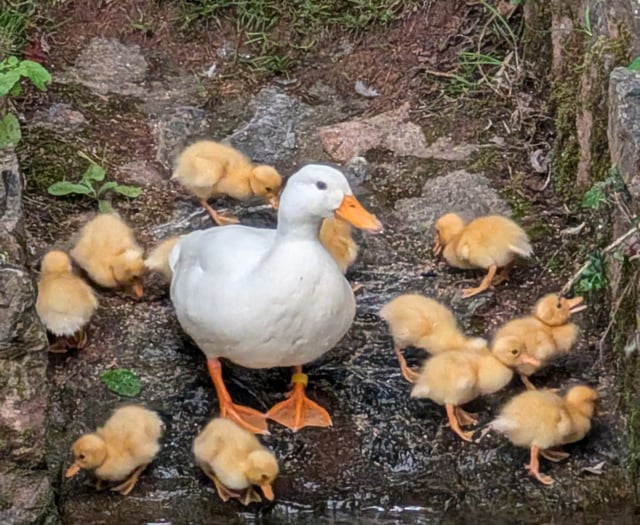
pixel 137 289
pixel 575 305
pixel 354 213
pixel 274 201
pixel 72 471
pixel 528 360
pixel 267 490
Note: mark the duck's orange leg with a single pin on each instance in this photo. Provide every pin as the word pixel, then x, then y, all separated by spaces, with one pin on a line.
pixel 246 417
pixel 408 373
pixel 486 282
pixel 464 417
pixel 455 425
pixel 534 467
pixel 219 218
pixel 299 411
pixel 503 274
pixel 554 454
pixel 527 383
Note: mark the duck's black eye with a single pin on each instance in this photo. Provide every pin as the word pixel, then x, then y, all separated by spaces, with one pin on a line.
pixel 81 456
pixel 321 185
pixel 268 188
pixel 559 305
pixel 514 351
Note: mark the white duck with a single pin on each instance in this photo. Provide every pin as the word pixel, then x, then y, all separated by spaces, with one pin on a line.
pixel 266 298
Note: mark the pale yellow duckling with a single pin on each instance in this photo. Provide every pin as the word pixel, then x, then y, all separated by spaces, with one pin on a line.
pixel 546 334
pixel 489 243
pixel 121 449
pixel 540 420
pixel 415 320
pixel 107 250
pixel 208 169
pixel 65 302
pixel 455 378
pixel 235 461
pixel 336 237
pixel 158 259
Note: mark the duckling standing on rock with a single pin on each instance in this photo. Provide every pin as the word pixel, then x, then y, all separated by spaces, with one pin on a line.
pixel 235 461
pixel 65 302
pixel 415 320
pixel 541 420
pixel 121 449
pixel 489 242
pixel 107 250
pixel 546 334
pixel 208 169
pixel 335 236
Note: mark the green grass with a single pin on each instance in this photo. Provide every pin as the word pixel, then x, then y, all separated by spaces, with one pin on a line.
pixel 275 31
pixel 14 18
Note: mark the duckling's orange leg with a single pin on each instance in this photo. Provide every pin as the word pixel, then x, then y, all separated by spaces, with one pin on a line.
pixel 554 454
pixel 59 346
pixel 225 493
pixel 464 417
pixel 250 496
pixel 220 219
pixel 527 384
pixel 455 425
pixel 299 411
pixel 78 340
pixel 503 274
pixel 246 417
pixel 534 467
pixel 408 373
pixel 486 282
pixel 356 287
pixel 127 486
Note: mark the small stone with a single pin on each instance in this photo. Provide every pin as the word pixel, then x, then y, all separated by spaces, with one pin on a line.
pixel 61 118
pixel 173 129
pixel 139 172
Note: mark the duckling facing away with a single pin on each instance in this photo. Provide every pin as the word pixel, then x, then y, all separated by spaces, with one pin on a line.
pixel 107 250
pixel 489 242
pixel 235 461
pixel 455 378
pixel 158 259
pixel 207 169
pixel 121 449
pixel 546 334
pixel 65 302
pixel 541 420
pixel 336 237
pixel 415 320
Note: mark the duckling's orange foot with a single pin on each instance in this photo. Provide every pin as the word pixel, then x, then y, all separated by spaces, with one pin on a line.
pixel 470 292
pixel 59 346
pixel 225 493
pixel 77 341
pixel 407 372
pixel 484 285
pixel 542 478
pixel 127 486
pixel 250 496
pixel 554 454
pixel 221 219
pixel 527 383
pixel 298 411
pixel 455 425
pixel 465 418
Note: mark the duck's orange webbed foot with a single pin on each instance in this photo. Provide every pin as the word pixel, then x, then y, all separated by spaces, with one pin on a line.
pixel 221 219
pixel 484 285
pixel 534 468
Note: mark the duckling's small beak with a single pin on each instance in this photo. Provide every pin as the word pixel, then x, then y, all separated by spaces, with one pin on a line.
pixel 267 490
pixel 528 360
pixel 274 202
pixel 437 247
pixel 137 289
pixel 575 305
pixel 354 213
pixel 72 471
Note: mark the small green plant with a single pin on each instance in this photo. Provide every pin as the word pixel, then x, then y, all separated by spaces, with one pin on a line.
pixel 635 64
pixel 594 277
pixel 12 71
pixel 94 173
pixel 596 196
pixel 122 382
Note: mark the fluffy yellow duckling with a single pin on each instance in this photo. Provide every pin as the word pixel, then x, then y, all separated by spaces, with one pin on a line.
pixel 121 449
pixel 158 259
pixel 235 461
pixel 455 378
pixel 415 320
pixel 541 420
pixel 65 302
pixel 489 242
pixel 107 250
pixel 546 334
pixel 208 169
pixel 336 237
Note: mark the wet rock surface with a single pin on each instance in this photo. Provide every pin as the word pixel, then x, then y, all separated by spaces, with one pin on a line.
pixel 388 458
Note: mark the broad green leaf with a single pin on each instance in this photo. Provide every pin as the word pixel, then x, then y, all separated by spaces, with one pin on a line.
pixel 594 198
pixel 105 206
pixel 635 64
pixel 7 81
pixel 94 172
pixel 10 132
pixel 128 191
pixel 66 188
pixel 107 186
pixel 36 73
pixel 16 90
pixel 122 381
pixel 12 61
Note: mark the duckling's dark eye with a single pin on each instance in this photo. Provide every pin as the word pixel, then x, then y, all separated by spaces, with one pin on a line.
pixel 81 456
pixel 559 305
pixel 268 188
pixel 321 185
pixel 515 351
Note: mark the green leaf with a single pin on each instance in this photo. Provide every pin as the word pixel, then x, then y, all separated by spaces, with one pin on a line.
pixel 36 73
pixel 128 191
pixel 12 61
pixel 7 81
pixel 94 172
pixel 594 198
pixel 122 381
pixel 107 186
pixel 16 90
pixel 635 64
pixel 66 188
pixel 10 133
pixel 104 206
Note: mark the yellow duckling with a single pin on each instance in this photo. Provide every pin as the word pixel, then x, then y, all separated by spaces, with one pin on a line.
pixel 235 461
pixel 540 420
pixel 489 242
pixel 336 237
pixel 107 250
pixel 65 302
pixel 121 449
pixel 546 334
pixel 208 169
pixel 158 259
pixel 455 378
pixel 415 320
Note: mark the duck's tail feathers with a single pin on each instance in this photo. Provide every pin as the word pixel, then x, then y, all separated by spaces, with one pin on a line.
pixel 522 247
